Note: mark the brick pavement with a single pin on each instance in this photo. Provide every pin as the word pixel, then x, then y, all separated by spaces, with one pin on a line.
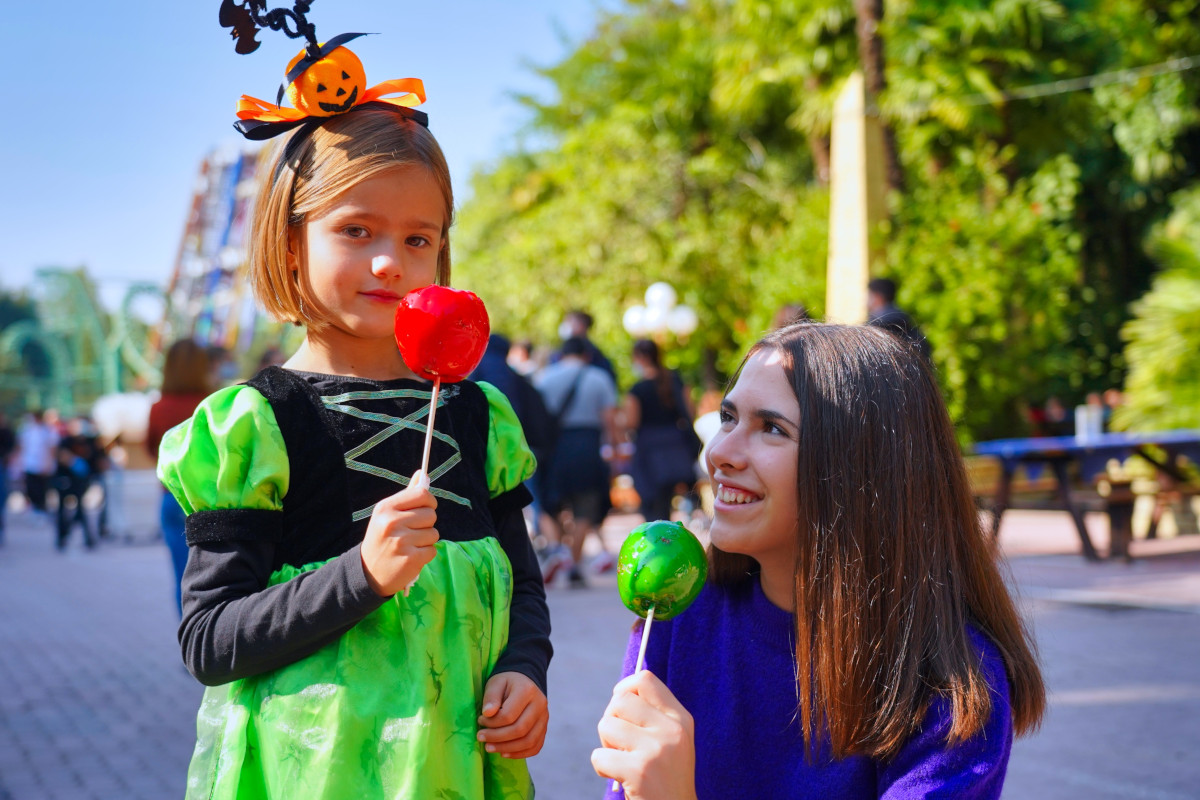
pixel 94 703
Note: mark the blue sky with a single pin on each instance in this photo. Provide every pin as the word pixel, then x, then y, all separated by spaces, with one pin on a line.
pixel 113 106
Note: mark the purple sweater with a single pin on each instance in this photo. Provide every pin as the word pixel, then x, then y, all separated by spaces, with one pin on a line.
pixel 729 661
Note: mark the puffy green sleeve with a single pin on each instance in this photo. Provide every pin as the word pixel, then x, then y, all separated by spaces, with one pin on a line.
pixel 510 462
pixel 229 455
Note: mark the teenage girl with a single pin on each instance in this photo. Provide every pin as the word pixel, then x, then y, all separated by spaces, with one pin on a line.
pixel 364 633
pixel 855 639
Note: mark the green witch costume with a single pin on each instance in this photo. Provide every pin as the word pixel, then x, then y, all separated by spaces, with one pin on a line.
pixel 318 687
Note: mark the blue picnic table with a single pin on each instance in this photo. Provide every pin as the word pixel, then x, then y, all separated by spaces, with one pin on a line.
pixel 1163 449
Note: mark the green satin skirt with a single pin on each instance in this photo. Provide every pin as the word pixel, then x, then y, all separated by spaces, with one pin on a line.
pixel 386 712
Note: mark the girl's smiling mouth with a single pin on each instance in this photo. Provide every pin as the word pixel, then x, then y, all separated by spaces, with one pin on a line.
pixel 735 496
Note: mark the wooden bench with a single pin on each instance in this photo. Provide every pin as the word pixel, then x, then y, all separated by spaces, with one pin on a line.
pixel 1037 488
pixel 1113 491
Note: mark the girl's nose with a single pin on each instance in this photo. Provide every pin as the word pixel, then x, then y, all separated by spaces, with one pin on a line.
pixel 385 265
pixel 725 452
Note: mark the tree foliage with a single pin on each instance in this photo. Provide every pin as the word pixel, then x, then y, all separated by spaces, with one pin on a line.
pixel 1163 390
pixel 687 142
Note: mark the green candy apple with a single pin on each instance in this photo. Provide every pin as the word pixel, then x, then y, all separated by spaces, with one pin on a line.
pixel 662 565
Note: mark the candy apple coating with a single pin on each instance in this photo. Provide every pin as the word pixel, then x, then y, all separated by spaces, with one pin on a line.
pixel 441 332
pixel 661 565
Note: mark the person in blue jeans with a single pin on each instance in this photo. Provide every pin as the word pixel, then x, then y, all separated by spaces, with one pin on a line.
pixel 187 380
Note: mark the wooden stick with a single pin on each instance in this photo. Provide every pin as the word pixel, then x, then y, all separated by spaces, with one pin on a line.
pixel 641 662
pixel 437 385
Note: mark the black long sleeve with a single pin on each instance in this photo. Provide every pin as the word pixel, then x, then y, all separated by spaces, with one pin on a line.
pixel 529 650
pixel 235 626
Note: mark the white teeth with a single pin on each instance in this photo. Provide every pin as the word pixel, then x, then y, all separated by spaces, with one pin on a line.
pixel 727 494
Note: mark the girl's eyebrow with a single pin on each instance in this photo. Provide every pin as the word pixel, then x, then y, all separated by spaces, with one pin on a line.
pixel 765 414
pixel 357 212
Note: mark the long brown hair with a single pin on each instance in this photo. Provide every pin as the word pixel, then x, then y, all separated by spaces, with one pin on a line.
pixel 187 369
pixel 892 564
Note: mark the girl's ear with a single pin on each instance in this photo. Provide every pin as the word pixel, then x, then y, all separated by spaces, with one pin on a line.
pixel 293 261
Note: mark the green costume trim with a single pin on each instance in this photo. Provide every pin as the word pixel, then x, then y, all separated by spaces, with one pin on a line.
pixel 416 421
pixel 343 723
pixel 510 462
pixel 230 454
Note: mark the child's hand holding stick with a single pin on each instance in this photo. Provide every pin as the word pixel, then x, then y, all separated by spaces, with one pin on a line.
pixel 401 538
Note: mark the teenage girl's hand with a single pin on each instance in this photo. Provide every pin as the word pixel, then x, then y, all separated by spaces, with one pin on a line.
pixel 400 537
pixel 515 714
pixel 648 741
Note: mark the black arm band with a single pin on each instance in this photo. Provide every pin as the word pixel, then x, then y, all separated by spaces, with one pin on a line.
pixel 233 524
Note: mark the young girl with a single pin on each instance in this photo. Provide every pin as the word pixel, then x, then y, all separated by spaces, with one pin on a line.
pixel 855 639
pixel 359 641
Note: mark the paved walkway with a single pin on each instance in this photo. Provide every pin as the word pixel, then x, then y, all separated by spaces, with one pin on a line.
pixel 94 703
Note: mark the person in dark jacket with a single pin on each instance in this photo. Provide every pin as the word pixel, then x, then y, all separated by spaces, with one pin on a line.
pixel 882 312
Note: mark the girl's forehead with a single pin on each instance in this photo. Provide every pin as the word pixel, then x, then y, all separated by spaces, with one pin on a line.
pixel 763 377
pixel 400 185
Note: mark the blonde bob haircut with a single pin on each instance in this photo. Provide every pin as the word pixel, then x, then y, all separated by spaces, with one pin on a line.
pixel 310 169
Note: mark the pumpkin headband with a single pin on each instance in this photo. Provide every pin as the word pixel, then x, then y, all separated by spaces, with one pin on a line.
pixel 323 80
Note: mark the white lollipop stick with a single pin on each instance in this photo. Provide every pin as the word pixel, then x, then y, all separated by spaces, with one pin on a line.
pixel 641 662
pixel 420 479
pixel 437 385
pixel 641 659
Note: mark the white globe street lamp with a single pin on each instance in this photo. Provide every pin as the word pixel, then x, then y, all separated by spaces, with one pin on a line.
pixel 660 314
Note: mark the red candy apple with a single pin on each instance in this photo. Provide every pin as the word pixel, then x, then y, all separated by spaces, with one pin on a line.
pixel 441 332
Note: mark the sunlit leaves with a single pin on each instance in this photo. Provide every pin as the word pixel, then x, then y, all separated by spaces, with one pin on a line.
pixel 1163 390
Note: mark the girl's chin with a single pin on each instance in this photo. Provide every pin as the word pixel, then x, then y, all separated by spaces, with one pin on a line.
pixel 727 538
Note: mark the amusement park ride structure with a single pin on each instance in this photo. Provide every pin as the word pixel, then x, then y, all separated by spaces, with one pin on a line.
pixel 91 353
pixel 209 292
pixel 87 355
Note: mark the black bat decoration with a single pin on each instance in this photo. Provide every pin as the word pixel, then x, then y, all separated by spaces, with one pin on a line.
pixel 249 16
pixel 234 15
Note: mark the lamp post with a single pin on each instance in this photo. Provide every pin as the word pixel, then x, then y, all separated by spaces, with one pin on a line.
pixel 661 313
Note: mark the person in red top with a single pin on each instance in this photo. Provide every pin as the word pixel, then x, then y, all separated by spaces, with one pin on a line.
pixel 187 379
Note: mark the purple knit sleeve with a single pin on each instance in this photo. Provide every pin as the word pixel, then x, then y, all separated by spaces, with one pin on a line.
pixel 655 662
pixel 928 769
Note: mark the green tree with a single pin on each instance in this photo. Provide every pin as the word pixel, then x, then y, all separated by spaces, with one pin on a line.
pixel 688 142
pixel 1163 390
pixel 648 180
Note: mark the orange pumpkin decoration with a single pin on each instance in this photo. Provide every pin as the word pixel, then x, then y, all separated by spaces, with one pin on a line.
pixel 332 85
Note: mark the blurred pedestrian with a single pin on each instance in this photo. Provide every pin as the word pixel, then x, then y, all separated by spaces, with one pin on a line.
pixel 8 443
pixel 116 461
pixel 788 314
pixel 1056 420
pixel 577 324
pixel 187 379
pixel 1112 399
pixel 575 488
pixel 271 357
pixel 38 443
pixel 79 463
pixel 882 312
pixel 530 409
pixel 658 414
pixel 521 358
pixel 222 366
